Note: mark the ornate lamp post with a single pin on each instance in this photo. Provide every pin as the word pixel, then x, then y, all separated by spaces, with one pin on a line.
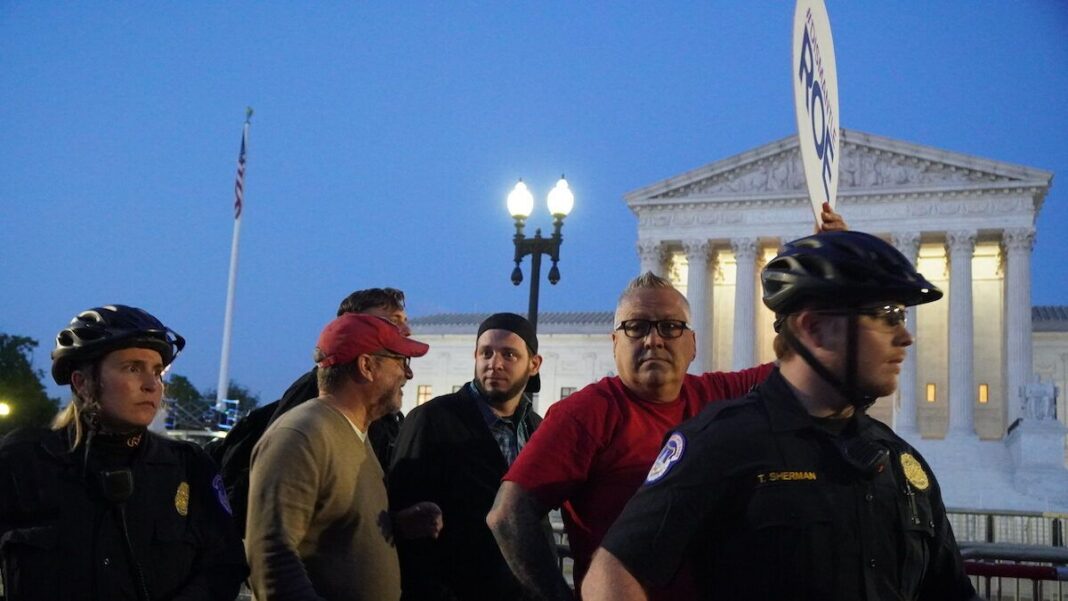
pixel 520 204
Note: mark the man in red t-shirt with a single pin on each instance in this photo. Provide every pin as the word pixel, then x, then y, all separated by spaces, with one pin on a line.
pixel 595 447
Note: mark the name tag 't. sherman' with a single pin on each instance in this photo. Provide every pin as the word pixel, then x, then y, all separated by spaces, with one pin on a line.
pixel 784 477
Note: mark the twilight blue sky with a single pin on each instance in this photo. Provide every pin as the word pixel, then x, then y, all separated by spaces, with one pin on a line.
pixel 387 135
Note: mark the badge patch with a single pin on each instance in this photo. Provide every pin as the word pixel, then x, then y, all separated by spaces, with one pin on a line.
pixel 181 499
pixel 220 493
pixel 669 456
pixel 914 472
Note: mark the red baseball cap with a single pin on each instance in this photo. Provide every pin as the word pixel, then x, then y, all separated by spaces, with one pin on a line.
pixel 355 334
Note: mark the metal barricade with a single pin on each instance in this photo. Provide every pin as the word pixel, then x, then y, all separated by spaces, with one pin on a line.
pixel 1013 572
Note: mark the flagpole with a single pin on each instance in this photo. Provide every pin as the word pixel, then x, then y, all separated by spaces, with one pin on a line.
pixel 228 322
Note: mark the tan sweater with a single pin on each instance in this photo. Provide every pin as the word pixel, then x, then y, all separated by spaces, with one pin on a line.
pixel 317 515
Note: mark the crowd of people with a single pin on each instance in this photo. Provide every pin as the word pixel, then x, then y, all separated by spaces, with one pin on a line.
pixel 767 483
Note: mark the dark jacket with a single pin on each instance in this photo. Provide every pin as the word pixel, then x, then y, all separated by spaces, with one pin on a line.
pixel 767 502
pixel 61 540
pixel 446 454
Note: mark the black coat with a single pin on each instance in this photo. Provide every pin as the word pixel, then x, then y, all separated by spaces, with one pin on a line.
pixel 446 454
pixel 766 502
pixel 61 540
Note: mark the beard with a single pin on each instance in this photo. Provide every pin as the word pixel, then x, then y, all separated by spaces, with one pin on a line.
pixel 500 396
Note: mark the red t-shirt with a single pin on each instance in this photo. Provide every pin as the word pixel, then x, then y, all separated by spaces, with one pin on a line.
pixel 595 448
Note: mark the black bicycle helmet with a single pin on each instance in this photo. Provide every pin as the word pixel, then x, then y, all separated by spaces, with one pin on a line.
pixel 844 268
pixel 99 331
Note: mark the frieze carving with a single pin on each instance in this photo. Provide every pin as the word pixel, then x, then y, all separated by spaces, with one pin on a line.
pixel 862 168
pixel 868 208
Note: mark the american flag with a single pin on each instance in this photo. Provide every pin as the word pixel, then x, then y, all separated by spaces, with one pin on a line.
pixel 239 185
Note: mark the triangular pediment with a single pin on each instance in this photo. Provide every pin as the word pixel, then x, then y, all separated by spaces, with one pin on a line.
pixel 870 164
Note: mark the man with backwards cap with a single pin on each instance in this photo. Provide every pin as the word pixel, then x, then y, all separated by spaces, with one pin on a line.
pixel 319 525
pixel 793 492
pixel 98 507
pixel 453 451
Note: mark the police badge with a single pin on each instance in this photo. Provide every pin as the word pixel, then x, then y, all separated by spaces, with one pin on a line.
pixel 181 499
pixel 914 472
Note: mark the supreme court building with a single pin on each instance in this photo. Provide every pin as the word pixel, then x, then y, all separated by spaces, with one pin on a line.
pixel 967 222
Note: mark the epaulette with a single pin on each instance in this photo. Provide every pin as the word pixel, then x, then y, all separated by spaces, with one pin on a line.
pixel 21 436
pixel 723 409
pixel 881 427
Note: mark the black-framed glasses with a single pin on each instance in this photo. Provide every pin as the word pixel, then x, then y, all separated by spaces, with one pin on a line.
pixel 640 328
pixel 891 315
pixel 405 361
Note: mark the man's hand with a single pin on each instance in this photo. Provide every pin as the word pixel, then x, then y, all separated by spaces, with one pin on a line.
pixel 422 520
pixel 610 580
pixel 832 221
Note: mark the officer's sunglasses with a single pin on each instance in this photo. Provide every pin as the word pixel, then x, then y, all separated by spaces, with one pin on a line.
pixel 405 361
pixel 891 315
pixel 640 328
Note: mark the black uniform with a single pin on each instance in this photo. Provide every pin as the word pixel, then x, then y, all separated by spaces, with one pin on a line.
pixel 61 539
pixel 769 503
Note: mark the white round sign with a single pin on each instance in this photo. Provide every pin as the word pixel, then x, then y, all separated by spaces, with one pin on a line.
pixel 816 102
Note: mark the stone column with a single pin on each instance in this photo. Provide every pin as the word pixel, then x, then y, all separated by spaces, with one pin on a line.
pixel 745 250
pixel 961 245
pixel 908 244
pixel 697 288
pixel 652 255
pixel 1018 352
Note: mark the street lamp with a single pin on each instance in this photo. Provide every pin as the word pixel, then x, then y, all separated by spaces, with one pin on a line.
pixel 520 204
pixel 5 409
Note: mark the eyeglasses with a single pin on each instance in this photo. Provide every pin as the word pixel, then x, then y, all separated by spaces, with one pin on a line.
pixel 891 315
pixel 640 328
pixel 405 361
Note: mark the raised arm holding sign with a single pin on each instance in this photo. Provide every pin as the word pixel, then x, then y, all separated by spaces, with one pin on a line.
pixel 816 103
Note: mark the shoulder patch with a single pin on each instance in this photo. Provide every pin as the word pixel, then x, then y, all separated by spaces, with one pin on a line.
pixel 220 493
pixel 668 457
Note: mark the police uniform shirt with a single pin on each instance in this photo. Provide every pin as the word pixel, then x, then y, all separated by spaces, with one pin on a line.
pixel 60 539
pixel 767 504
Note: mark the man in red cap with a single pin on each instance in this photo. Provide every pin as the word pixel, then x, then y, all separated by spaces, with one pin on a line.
pixel 318 520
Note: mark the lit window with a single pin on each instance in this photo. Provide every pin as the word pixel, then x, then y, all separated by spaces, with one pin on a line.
pixel 423 393
pixel 931 389
pixel 566 391
pixel 984 394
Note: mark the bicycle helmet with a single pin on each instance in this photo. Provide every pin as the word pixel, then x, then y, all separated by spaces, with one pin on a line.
pixel 844 268
pixel 96 332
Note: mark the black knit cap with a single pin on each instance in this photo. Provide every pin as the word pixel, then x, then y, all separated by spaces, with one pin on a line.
pixel 520 326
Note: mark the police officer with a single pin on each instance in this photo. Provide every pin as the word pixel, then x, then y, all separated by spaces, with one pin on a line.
pixel 98 507
pixel 793 492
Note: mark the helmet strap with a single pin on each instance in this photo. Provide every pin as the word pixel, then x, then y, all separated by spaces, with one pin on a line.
pixel 851 357
pixel 847 389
